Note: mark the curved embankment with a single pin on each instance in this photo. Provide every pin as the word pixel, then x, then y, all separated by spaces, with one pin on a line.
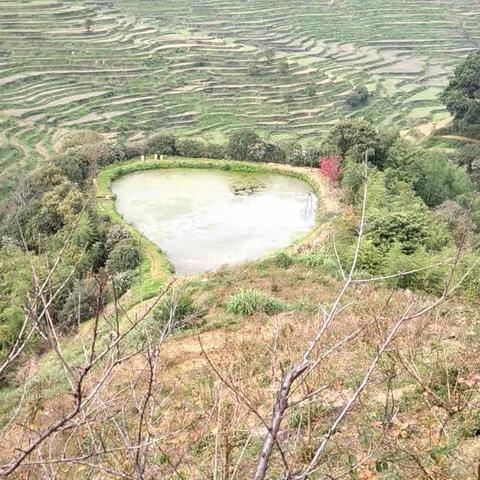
pixel 156 268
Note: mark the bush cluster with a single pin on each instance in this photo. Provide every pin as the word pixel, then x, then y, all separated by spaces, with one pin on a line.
pixel 245 145
pixel 52 215
pixel 174 311
pixel 405 184
pixel 358 97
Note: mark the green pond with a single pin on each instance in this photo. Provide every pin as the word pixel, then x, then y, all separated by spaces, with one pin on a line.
pixel 203 219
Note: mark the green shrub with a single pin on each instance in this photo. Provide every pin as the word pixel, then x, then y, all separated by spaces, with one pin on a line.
pixel 257 152
pixel 57 208
pixel 215 151
pixel 358 97
pixel 353 178
pixel 294 154
pixel 97 255
pixel 82 302
pixel 161 144
pixel 121 281
pixel 371 258
pixel 42 180
pixel 272 306
pixel 190 148
pixel 116 234
pixel 75 165
pixel 312 156
pixel 283 260
pixel 78 138
pixel 240 144
pixel 275 154
pixel 405 228
pixel 124 256
pixel 431 280
pixel 174 309
pixel 357 136
pixel 106 152
pixel 440 180
pixel 402 157
pixel 135 149
pixel 246 302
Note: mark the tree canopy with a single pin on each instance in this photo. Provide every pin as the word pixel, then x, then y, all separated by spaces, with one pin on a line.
pixel 462 96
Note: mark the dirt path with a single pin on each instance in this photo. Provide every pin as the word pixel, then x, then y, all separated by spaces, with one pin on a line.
pixel 328 196
pixel 460 138
pixel 184 354
pixel 17 144
pixel 421 132
pixel 425 130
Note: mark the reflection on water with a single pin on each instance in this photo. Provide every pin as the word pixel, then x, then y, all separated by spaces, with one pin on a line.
pixel 205 219
pixel 310 207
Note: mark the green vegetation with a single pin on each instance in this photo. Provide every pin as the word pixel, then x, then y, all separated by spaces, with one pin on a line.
pixel 405 182
pixel 246 302
pixel 462 94
pixel 174 309
pixel 51 223
pixel 212 78
pixel 468 156
pixel 358 97
pixel 283 259
pixel 91 91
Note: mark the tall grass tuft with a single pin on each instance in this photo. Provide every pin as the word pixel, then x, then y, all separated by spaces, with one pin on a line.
pixel 174 308
pixel 248 301
pixel 283 260
pixel 319 259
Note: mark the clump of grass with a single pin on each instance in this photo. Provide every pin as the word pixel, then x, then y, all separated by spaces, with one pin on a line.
pixel 283 260
pixel 272 306
pixel 245 302
pixel 174 309
pixel 318 259
pixel 176 312
pixel 305 304
pixel 248 301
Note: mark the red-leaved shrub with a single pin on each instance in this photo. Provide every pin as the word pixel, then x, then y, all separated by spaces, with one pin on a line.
pixel 330 167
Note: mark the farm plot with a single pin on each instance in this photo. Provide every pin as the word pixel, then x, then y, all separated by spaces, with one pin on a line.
pixel 209 68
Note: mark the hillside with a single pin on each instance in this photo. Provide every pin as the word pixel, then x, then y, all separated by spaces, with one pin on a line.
pixel 216 377
pixel 126 67
pixel 239 240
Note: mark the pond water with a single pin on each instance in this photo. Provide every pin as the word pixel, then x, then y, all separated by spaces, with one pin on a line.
pixel 203 219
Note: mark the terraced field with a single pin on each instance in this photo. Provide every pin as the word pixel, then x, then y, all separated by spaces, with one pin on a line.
pixel 207 68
